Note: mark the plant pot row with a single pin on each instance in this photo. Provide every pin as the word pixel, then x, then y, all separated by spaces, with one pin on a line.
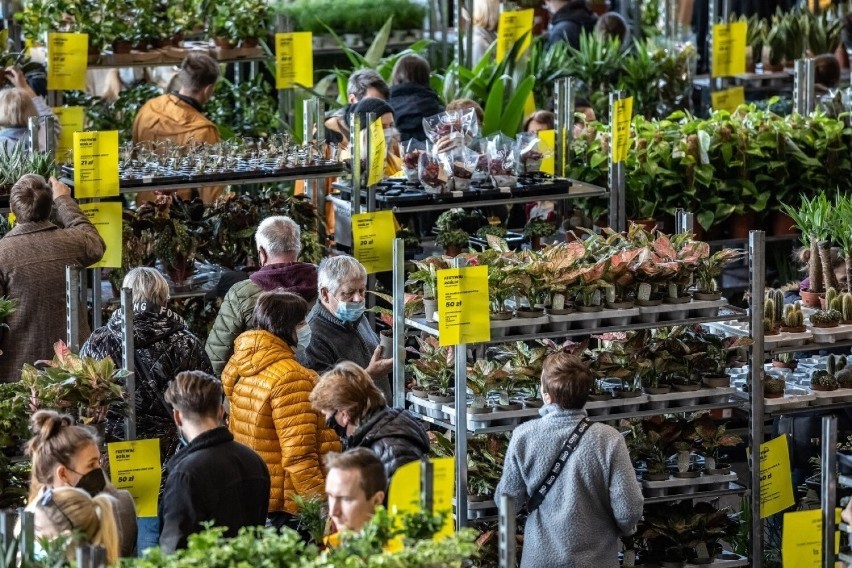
pixel 688 482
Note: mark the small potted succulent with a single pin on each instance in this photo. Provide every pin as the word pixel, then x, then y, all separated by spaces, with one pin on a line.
pixel 425 281
pixel 823 381
pixel 434 369
pixel 773 387
pixel 825 318
pixel 537 228
pixel 712 437
pixel 785 361
pixel 482 377
pixel 793 320
pixel 708 271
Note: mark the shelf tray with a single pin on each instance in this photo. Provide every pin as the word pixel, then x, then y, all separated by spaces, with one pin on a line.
pixel 675 482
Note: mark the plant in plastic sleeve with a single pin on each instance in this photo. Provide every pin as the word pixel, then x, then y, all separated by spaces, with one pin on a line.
pixel 501 161
pixel 451 129
pixel 411 159
pixel 461 164
pixel 433 175
pixel 530 152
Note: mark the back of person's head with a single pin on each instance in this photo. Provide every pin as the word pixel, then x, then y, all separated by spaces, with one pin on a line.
pixel 72 511
pixel 198 71
pixel 373 476
pixel 378 107
pixel 16 108
pixel 279 313
pixel 567 379
pixel 364 80
pixel 348 387
pixel 195 394
pixel 826 70
pixel 467 104
pixel 486 14
pixel 56 439
pixel 335 270
pixel 279 235
pixel 411 69
pixel 612 25
pixel 31 199
pixel 147 286
pixel 543 117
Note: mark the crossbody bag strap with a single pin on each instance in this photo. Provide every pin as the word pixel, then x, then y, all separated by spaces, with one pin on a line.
pixel 570 445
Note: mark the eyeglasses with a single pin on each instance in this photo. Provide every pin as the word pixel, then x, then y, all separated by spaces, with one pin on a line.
pixel 47 500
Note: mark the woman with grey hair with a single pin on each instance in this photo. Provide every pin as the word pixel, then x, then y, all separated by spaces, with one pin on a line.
pixel 339 330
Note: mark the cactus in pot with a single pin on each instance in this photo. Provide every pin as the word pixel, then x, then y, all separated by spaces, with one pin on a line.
pixel 846 307
pixel 769 325
pixel 831 296
pixel 794 319
pixel 773 387
pixel 822 380
pixel 826 318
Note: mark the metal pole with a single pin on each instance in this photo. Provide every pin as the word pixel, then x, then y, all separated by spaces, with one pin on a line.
pixel 508 532
pixel 282 24
pixel 617 211
pixel 461 424
pixel 84 556
pixel 810 87
pixel 97 303
pixel 564 124
pixel 445 32
pixel 7 528
pixel 757 260
pixel 50 134
pixel 427 485
pixel 398 323
pixel 320 185
pixel 799 87
pixel 355 152
pixel 34 127
pixel 128 361
pixel 72 308
pixel 371 206
pixel 829 487
pixel 27 519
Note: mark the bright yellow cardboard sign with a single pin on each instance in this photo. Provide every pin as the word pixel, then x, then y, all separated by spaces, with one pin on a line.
pixel 12 219
pixel 776 483
pixel 106 217
pixel 71 120
pixel 463 305
pixel 622 115
pixel 548 163
pixel 135 466
pixel 529 105
pixel 511 28
pixel 378 151
pixel 372 240
pixel 801 539
pixel 67 61
pixel 729 49
pixel 404 493
pixel 294 60
pixel 95 164
pixel 728 99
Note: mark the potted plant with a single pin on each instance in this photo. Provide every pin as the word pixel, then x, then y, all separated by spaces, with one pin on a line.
pixel 452 241
pixel 14 417
pixel 815 218
pixel 537 228
pixel 425 282
pixel 773 387
pixel 708 271
pixel 785 361
pixel 823 380
pixel 794 319
pixel 711 437
pixel 825 318
pixel 434 369
pixel 481 377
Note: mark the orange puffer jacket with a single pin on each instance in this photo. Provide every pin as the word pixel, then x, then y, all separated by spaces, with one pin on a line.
pixel 270 412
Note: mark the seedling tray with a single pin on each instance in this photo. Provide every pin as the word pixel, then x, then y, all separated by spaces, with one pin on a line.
pixel 695 308
pixel 830 397
pixel 675 399
pixel 831 334
pixel 786 339
pixel 676 485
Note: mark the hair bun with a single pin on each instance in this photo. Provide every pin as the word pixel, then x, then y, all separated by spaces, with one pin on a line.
pixel 47 423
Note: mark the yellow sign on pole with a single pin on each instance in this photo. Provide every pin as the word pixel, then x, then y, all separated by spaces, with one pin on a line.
pixel 728 99
pixel 372 240
pixel 106 217
pixel 71 120
pixel 776 483
pixel 548 163
pixel 404 493
pixel 95 164
pixel 294 60
pixel 511 28
pixel 378 151
pixel 729 49
pixel 135 466
pixel 801 539
pixel 67 60
pixel 622 115
pixel 463 305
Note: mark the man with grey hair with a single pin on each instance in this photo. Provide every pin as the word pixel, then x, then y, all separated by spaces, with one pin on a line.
pixel 362 84
pixel 339 330
pixel 279 242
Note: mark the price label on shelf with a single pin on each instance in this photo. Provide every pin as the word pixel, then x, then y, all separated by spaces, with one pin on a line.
pixel 463 310
pixel 67 61
pixel 728 99
pixel 548 139
pixel 378 151
pixel 372 240
pixel 776 482
pixel 95 164
pixel 135 466
pixel 511 28
pixel 404 492
pixel 71 120
pixel 106 217
pixel 622 115
pixel 729 49
pixel 801 539
pixel 294 60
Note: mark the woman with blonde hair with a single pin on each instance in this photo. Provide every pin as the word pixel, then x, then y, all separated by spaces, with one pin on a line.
pixel 486 16
pixel 17 106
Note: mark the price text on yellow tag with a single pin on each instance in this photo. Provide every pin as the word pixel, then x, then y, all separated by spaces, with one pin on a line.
pixel 95 164
pixel 463 308
pixel 623 113
pixel 372 239
pixel 378 151
pixel 404 494
pixel 67 60
pixel 776 484
pixel 511 28
pixel 548 163
pixel 106 217
pixel 801 539
pixel 729 99
pixel 71 120
pixel 294 60
pixel 135 466
pixel 729 49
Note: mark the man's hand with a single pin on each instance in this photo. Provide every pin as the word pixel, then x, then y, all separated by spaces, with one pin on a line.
pixel 16 77
pixel 378 366
pixel 59 188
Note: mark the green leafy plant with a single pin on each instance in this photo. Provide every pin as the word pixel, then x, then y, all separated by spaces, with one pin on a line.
pixel 14 415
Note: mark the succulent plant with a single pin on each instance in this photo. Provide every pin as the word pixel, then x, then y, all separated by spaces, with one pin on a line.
pixel 769 316
pixel 823 380
pixel 830 296
pixel 793 316
pixel 846 306
pixel 826 318
pixel 773 386
pixel 841 363
pixel 831 365
pixel 844 377
pixel 775 301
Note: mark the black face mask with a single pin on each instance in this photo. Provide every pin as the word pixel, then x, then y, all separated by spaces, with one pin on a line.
pixel 93 482
pixel 332 423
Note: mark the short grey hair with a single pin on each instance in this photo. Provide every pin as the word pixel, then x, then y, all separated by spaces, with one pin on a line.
pixel 364 79
pixel 147 285
pixel 335 270
pixel 278 235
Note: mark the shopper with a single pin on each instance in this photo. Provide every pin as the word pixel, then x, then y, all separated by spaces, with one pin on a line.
pixel 339 330
pixel 411 97
pixel 66 455
pixel 539 120
pixel 212 479
pixel 466 104
pixel 362 84
pixel 593 497
pixel 179 116
pixel 357 410
pixel 355 487
pixel 384 112
pixel 612 26
pixel 33 257
pixel 570 18
pixel 278 241
pixel 17 106
pixel 269 393
pixel 486 17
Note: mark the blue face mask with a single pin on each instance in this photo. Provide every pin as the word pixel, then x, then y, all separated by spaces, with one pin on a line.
pixel 349 311
pixel 303 338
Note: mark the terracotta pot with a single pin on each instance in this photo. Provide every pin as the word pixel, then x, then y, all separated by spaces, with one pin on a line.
pixel 782 224
pixel 452 250
pixel 647 224
pixel 224 43
pixel 811 299
pixel 141 46
pixel 249 42
pixel 842 56
pixel 773 394
pixel 121 46
pixel 800 329
pixel 535 242
pixel 740 224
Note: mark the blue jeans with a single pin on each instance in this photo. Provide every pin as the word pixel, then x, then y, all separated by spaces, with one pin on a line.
pixel 149 533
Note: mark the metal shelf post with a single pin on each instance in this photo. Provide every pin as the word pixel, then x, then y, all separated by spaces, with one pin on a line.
pixel 756 252
pixel 828 484
pixel 128 361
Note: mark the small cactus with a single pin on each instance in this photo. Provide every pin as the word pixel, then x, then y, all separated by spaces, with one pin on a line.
pixel 831 365
pixel 823 381
pixel 769 310
pixel 837 304
pixel 844 377
pixel 777 297
pixel 841 363
pixel 793 316
pixel 830 295
pixel 773 386
pixel 768 326
pixel 826 317
pixel 846 306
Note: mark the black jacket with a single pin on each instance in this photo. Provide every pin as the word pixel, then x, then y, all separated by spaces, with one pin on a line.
pixel 213 479
pixel 568 23
pixel 394 435
pixel 163 347
pixel 411 104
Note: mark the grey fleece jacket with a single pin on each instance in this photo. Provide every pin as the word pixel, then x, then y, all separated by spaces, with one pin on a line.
pixel 593 502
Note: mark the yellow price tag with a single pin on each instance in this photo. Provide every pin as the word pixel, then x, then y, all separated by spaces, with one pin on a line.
pixel 378 151
pixel 729 49
pixel 728 99
pixel 135 466
pixel 776 483
pixel 294 60
pixel 12 219
pixel 511 28
pixel 404 493
pixel 548 163
pixel 95 164
pixel 801 539
pixel 463 308
pixel 71 120
pixel 372 239
pixel 106 217
pixel 67 60
pixel 622 115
